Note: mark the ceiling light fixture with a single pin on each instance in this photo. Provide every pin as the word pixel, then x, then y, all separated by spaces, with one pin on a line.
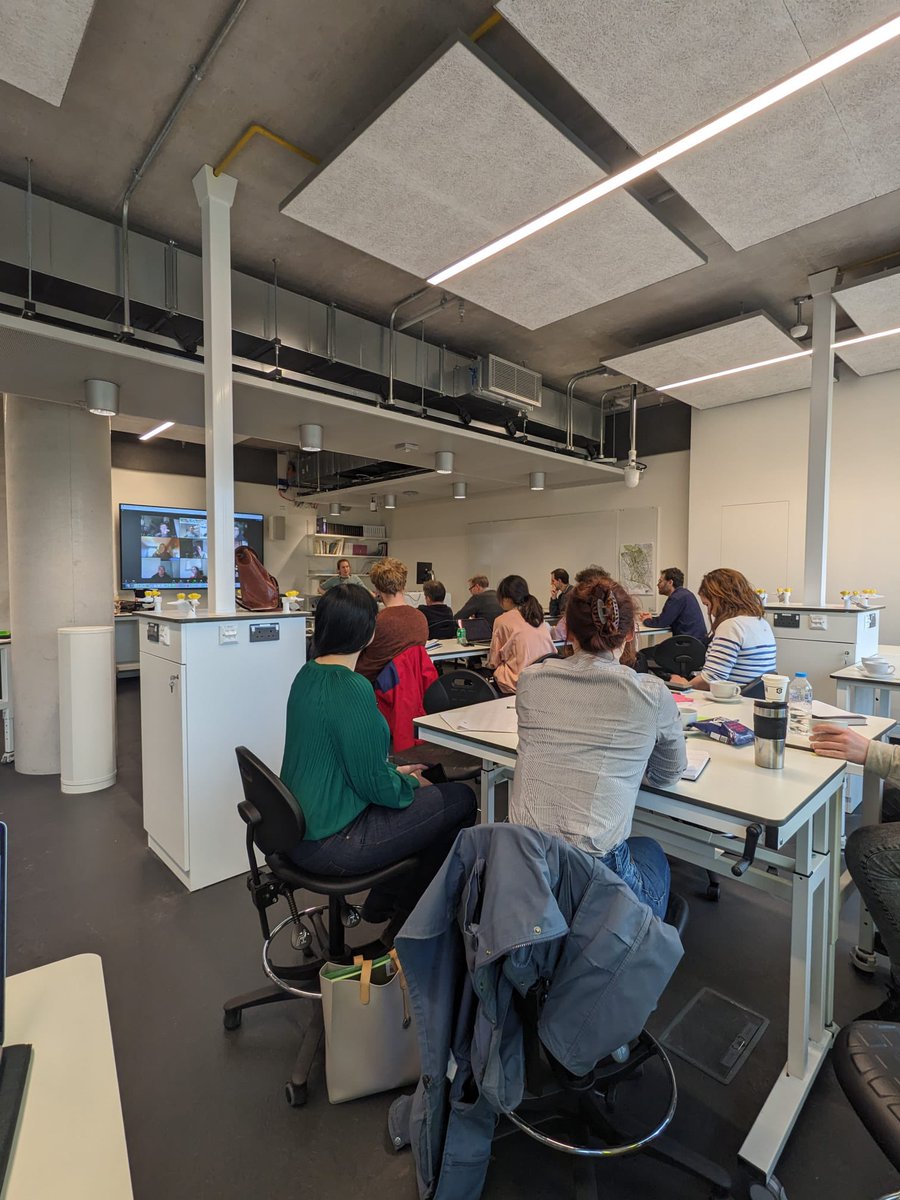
pixel 334 509
pixel 768 362
pixel 311 437
pixel 390 500
pixel 101 397
pixel 459 491
pixel 443 462
pixel 696 137
pixel 536 481
pixel 145 437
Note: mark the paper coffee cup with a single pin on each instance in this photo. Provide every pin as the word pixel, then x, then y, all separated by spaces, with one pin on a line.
pixel 776 686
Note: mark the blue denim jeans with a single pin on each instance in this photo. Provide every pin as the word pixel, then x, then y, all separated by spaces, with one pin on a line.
pixel 642 864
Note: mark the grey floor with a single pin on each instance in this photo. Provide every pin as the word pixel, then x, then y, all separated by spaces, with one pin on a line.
pixel 204 1110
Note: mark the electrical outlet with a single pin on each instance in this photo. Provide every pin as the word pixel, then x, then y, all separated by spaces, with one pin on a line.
pixel 165 635
pixel 818 621
pixel 228 635
pixel 270 632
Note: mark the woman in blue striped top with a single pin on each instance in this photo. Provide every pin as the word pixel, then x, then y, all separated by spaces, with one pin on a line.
pixel 742 645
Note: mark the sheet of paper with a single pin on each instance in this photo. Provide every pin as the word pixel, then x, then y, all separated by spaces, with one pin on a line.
pixel 496 716
pixel 827 712
pixel 696 761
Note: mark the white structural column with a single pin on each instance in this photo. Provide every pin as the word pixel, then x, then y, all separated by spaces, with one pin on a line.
pixel 818 477
pixel 59 512
pixel 4 556
pixel 215 195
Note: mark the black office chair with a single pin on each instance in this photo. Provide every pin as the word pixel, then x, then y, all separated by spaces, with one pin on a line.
pixel 866 1059
pixel 549 654
pixel 456 689
pixel 275 824
pixel 678 655
pixel 588 1103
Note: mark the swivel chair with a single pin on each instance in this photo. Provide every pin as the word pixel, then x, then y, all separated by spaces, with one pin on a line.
pixel 866 1059
pixel 275 824
pixel 678 655
pixel 589 1102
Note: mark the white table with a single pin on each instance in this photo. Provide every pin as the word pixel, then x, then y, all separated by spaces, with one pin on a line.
pixel 448 648
pixel 647 636
pixel 699 822
pixel 856 689
pixel 6 704
pixel 71 1139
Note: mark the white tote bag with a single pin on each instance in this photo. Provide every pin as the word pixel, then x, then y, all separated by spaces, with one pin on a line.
pixel 370 1037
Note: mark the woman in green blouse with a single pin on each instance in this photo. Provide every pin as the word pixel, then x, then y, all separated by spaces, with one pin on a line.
pixel 362 812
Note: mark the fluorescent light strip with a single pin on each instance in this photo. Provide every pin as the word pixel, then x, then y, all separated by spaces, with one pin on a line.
pixel 145 437
pixel 703 133
pixel 867 337
pixel 768 362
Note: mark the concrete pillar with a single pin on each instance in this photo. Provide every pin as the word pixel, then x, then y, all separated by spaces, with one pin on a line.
pixel 818 476
pixel 215 195
pixel 59 513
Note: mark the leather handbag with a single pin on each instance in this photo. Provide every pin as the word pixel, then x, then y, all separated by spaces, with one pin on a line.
pixel 370 1038
pixel 259 589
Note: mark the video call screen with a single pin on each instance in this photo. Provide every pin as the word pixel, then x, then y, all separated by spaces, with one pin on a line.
pixel 167 547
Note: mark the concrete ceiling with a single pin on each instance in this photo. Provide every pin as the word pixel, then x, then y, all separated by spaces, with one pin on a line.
pixel 314 73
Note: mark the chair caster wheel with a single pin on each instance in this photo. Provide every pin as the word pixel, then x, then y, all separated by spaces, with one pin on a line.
pixel 231 1018
pixel 295 1094
pixel 768 1191
pixel 712 892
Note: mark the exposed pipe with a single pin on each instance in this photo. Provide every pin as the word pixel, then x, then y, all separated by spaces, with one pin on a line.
pixel 423 316
pixel 29 236
pixel 256 130
pixel 570 402
pixel 391 331
pixel 197 73
pixel 494 19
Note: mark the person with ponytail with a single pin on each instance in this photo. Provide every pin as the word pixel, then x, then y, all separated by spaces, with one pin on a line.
pixel 589 729
pixel 520 633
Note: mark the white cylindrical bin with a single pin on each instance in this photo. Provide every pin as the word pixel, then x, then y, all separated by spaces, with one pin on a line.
pixel 87 708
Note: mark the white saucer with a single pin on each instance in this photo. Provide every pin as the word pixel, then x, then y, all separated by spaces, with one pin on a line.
pixel 730 700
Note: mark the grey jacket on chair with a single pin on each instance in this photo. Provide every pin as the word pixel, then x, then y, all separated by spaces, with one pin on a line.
pixel 510 908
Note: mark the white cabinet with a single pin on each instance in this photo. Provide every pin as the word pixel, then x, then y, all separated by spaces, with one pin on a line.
pixel 209 684
pixel 821 640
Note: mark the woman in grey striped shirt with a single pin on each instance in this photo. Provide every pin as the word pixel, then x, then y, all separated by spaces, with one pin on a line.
pixel 589 727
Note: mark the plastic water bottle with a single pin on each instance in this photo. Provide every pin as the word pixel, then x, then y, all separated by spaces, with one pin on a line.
pixel 460 632
pixel 800 698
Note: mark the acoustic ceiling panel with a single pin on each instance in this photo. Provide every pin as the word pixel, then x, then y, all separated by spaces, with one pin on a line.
pixel 39 42
pixel 752 338
pixel 656 70
pixel 873 304
pixel 871 358
pixel 461 156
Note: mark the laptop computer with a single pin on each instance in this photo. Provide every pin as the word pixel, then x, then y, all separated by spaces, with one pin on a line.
pixel 478 631
pixel 14 1060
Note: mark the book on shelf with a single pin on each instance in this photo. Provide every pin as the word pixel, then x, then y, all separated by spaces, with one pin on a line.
pixel 325 545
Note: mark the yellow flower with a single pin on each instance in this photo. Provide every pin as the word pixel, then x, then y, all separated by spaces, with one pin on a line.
pixel 180 596
pixel 193 595
pixel 292 593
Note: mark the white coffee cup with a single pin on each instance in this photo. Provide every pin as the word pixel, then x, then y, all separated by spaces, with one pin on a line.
pixel 723 689
pixel 776 686
pixel 688 715
pixel 878 666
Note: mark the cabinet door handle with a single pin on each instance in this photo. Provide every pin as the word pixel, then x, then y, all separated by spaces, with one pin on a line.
pixel 173 679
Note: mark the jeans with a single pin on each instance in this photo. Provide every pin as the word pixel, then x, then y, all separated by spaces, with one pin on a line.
pixel 642 864
pixel 873 860
pixel 380 836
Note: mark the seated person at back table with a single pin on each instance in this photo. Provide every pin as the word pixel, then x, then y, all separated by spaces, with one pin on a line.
pixel 520 634
pixel 589 727
pixel 344 575
pixel 438 614
pixel 741 645
pixel 399 625
pixel 482 601
pixel 873 851
pixel 559 591
pixel 585 575
pixel 681 611
pixel 362 813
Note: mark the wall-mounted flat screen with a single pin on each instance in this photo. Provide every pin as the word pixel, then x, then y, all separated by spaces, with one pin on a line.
pixel 167 547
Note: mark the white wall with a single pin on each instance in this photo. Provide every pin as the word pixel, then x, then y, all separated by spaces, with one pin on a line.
pixel 747 458
pixel 437 531
pixel 4 552
pixel 286 560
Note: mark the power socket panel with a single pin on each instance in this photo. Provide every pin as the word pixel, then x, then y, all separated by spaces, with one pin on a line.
pixel 269 632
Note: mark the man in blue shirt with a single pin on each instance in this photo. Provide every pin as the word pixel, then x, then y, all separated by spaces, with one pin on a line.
pixel 681 612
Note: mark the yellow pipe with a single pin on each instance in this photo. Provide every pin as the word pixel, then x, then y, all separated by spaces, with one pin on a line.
pixel 494 19
pixel 247 136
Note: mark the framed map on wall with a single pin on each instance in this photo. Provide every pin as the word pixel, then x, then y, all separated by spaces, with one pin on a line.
pixel 637 567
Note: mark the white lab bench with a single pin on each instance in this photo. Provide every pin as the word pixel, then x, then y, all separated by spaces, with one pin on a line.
pixel 821 639
pixel 208 684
